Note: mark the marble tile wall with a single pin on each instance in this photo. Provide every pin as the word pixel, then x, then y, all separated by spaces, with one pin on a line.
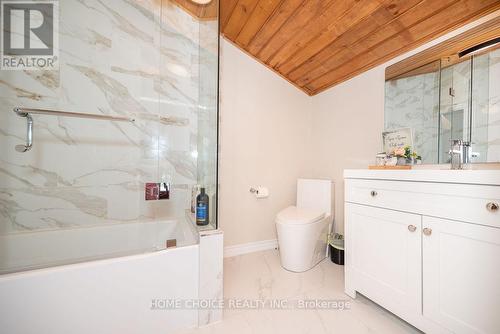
pixel 480 108
pixel 493 153
pixel 211 275
pixel 414 102
pixel 125 57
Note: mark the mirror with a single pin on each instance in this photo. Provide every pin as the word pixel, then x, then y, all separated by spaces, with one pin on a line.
pixel 446 99
pixel 412 101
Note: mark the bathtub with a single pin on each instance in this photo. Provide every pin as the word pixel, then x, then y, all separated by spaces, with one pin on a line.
pixel 113 295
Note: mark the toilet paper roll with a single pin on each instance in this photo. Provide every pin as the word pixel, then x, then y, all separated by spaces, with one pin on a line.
pixel 262 192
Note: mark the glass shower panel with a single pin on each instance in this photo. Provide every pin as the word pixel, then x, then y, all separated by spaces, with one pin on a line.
pixel 79 194
pixel 208 116
pixel 486 107
pixel 64 200
pixel 455 111
pixel 188 136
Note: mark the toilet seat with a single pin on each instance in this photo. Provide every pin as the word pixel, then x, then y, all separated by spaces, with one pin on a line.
pixel 299 216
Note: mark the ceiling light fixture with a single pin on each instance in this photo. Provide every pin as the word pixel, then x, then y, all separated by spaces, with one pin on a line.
pixel 202 2
pixel 479 47
pixel 178 70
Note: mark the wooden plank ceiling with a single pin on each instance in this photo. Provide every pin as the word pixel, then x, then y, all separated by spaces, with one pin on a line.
pixel 316 44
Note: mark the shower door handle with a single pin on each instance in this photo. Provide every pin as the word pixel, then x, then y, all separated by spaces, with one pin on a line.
pixel 29 134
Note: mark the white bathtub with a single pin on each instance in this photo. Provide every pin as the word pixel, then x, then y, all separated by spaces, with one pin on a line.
pixel 106 296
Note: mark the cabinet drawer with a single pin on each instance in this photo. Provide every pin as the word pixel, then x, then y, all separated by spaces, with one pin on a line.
pixel 463 202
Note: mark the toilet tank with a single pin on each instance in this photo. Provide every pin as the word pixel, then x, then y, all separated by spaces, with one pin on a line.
pixel 315 194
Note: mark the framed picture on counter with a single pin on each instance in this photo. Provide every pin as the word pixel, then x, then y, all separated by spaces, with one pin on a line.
pixel 396 139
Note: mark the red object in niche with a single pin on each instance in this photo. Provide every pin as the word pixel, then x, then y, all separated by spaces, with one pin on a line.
pixel 152 191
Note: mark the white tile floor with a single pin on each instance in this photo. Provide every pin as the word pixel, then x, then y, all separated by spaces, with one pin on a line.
pixel 259 276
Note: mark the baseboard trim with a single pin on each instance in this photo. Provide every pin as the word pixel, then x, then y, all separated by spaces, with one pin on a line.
pixel 250 247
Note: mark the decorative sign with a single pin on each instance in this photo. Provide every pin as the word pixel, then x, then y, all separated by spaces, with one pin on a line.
pixel 397 139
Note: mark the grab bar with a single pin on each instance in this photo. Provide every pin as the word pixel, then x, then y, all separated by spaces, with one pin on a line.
pixel 27 112
pixel 23 111
pixel 29 135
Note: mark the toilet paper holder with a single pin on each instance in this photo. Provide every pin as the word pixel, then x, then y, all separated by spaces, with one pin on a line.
pixel 260 192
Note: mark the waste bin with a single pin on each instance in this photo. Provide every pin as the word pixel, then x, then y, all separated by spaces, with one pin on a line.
pixel 336 245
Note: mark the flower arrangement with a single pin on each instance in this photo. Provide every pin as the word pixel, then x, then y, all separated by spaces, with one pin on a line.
pixel 401 156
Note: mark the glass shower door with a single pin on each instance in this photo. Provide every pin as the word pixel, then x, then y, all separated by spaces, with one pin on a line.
pixel 79 193
pixel 455 107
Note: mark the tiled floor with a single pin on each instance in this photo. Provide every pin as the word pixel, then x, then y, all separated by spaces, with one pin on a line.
pixel 259 276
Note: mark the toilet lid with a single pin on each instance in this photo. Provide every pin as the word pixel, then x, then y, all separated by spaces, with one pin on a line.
pixel 297 216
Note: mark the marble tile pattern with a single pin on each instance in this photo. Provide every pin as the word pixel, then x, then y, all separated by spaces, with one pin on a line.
pixel 259 276
pixel 480 107
pixel 211 274
pixel 493 139
pixel 413 102
pixel 120 57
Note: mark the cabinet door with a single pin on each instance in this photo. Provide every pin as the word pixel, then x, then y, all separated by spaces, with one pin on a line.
pixel 461 280
pixel 384 257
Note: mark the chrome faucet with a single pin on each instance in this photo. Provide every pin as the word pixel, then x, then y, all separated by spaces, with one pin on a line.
pixel 460 154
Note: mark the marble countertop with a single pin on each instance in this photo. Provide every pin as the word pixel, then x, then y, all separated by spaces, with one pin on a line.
pixel 484 177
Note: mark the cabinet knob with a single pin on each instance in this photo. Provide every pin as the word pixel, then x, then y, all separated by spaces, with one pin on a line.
pixel 492 207
pixel 427 231
pixel 373 193
pixel 412 228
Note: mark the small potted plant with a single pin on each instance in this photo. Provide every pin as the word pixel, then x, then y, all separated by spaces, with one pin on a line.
pixel 416 159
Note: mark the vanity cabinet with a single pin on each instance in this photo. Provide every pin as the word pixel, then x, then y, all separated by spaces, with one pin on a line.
pixel 461 275
pixel 385 255
pixel 427 251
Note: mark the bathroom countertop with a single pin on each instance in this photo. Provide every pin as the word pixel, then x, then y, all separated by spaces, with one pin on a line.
pixel 484 177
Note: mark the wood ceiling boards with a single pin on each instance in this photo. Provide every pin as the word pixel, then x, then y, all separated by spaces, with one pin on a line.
pixel 316 44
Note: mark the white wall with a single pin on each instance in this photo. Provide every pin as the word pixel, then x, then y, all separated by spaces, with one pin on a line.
pixel 346 130
pixel 264 129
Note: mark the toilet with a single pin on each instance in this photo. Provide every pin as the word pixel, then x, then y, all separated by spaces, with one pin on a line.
pixel 303 229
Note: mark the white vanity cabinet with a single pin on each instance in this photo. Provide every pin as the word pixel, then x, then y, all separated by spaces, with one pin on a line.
pixel 426 248
pixel 385 255
pixel 461 275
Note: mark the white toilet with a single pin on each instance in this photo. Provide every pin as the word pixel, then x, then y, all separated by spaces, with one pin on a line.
pixel 303 229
